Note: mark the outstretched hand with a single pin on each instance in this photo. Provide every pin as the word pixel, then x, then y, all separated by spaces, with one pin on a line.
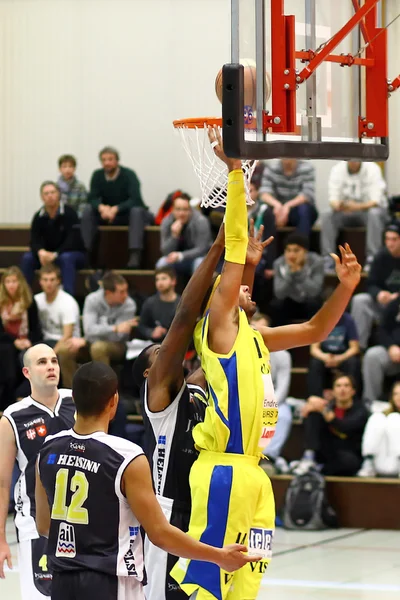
pixel 232 557
pixel 214 135
pixel 348 269
pixel 255 246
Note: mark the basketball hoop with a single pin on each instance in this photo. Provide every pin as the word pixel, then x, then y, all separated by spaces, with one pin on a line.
pixel 211 171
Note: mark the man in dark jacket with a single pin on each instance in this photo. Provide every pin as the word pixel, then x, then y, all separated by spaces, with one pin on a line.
pixel 55 237
pixel 383 360
pixel 115 199
pixel 383 285
pixel 159 310
pixel 333 431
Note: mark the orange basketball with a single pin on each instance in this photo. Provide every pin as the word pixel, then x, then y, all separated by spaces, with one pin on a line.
pixel 249 83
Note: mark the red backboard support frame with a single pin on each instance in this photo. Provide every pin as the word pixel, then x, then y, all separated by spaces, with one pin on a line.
pixel 285 78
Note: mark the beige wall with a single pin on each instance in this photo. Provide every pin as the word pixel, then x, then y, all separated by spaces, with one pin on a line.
pixel 78 74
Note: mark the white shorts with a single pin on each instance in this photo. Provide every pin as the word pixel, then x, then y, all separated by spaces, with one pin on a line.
pixel 34 575
pixel 155 559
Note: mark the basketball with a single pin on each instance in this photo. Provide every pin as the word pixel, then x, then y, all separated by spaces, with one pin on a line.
pixel 249 83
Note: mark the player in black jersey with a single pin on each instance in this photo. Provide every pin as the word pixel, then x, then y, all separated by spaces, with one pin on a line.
pixel 93 491
pixel 172 406
pixel 23 429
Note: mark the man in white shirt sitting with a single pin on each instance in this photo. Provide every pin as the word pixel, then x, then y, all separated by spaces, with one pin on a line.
pixel 58 311
pixel 357 198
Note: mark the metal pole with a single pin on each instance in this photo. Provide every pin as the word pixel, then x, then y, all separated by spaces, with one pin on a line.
pixel 313 129
pixel 260 63
pixel 235 21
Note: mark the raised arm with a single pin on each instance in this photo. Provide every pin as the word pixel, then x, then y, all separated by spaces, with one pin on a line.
pixel 166 375
pixel 322 323
pixel 224 305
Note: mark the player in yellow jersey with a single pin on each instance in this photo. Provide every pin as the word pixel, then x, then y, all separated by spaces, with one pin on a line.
pixel 232 499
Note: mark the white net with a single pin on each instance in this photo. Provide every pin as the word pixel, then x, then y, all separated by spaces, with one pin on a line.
pixel 211 171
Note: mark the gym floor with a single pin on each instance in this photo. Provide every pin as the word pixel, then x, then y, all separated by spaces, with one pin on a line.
pixel 343 564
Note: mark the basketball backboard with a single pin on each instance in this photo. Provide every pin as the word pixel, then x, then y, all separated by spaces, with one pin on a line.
pixel 330 112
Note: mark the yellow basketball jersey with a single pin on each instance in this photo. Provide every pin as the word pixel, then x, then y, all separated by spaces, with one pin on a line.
pixel 242 410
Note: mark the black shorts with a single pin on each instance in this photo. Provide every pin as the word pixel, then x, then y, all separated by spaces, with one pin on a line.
pixel 85 585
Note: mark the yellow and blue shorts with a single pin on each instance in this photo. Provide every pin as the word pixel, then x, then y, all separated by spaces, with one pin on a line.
pixel 232 502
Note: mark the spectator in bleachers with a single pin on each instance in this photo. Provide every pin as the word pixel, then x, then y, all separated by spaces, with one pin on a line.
pixel 115 199
pixel 381 440
pixel 158 311
pixel 357 198
pixel 185 238
pixel 55 238
pixel 166 207
pixel 333 431
pixel 19 330
pixel 339 351
pixel 281 365
pixel 73 192
pixel 108 318
pixel 298 282
pixel 383 360
pixel 261 215
pixel 383 285
pixel 288 187
pixel 58 311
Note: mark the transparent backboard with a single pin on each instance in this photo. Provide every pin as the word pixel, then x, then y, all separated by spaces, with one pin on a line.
pixel 337 88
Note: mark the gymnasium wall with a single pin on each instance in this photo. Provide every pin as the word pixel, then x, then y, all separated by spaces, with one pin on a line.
pixel 79 74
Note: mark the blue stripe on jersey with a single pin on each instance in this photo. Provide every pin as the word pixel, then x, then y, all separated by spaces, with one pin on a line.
pixel 235 442
pixel 208 575
pixel 217 408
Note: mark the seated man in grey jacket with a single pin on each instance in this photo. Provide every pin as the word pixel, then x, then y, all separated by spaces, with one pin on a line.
pixel 298 282
pixel 185 238
pixel 108 317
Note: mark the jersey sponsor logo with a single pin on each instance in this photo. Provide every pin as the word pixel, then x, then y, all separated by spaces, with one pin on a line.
pixel 129 558
pixel 52 458
pixel 260 542
pixel 34 422
pixel 260 566
pixel 31 434
pixel 78 461
pixel 267 433
pixel 41 430
pixel 77 447
pixel 161 444
pixel 66 547
pixel 270 403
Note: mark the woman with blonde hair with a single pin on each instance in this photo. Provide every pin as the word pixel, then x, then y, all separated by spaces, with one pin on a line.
pixel 381 440
pixel 19 329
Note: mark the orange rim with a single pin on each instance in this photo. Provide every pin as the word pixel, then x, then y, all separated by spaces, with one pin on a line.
pixel 197 122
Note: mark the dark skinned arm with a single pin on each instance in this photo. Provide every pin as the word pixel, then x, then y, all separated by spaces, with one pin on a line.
pixel 166 375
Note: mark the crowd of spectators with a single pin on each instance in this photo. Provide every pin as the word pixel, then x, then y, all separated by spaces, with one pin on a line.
pixel 347 373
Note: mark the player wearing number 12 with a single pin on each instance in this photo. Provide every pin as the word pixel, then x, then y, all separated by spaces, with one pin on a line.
pixel 93 492
pixel 232 497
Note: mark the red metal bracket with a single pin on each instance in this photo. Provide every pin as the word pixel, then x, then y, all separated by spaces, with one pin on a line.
pixel 336 39
pixel 394 85
pixel 286 79
pixel 283 117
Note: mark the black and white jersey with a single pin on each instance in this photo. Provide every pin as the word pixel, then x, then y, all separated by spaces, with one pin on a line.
pixel 169 444
pixel 32 422
pixel 92 525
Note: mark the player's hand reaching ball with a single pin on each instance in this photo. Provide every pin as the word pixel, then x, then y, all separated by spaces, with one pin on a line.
pixel 214 135
pixel 232 557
